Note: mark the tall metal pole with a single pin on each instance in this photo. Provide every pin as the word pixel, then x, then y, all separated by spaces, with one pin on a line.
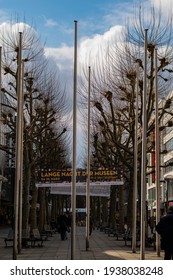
pixel 143 164
pixel 135 164
pixel 0 80
pixel 1 180
pixel 0 88
pixel 157 151
pixel 21 160
pixel 17 151
pixel 0 113
pixel 73 202
pixel 88 167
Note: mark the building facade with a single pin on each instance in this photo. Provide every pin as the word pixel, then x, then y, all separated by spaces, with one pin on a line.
pixel 166 164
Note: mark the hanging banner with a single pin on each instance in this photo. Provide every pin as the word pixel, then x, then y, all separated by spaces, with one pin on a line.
pixel 66 184
pixel 59 181
pixel 99 190
pixel 96 188
pixel 58 176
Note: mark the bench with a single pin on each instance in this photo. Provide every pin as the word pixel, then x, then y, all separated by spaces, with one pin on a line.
pixel 107 230
pixel 113 232
pixel 9 238
pixel 128 237
pixel 48 231
pixel 103 226
pixel 26 239
pixel 119 234
pixel 36 237
pixel 150 242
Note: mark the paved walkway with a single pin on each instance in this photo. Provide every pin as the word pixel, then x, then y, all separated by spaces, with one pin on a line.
pixel 101 247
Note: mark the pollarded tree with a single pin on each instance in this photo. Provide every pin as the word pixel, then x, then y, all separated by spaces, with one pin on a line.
pixel 39 82
pixel 114 91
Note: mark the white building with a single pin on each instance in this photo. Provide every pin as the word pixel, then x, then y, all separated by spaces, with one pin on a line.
pixel 166 163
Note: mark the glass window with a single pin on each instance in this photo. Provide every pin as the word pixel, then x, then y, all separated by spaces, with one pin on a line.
pixel 169 145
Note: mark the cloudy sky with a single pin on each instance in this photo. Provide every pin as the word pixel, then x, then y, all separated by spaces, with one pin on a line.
pixel 54 21
pixel 98 21
pixel 54 18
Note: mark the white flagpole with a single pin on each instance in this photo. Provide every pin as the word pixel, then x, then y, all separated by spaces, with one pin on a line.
pixel 135 164
pixel 21 160
pixel 157 151
pixel 88 168
pixel 73 196
pixel 143 164
pixel 17 152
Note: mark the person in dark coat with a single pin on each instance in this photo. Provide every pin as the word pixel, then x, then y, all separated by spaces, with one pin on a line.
pixel 62 226
pixel 90 226
pixel 165 229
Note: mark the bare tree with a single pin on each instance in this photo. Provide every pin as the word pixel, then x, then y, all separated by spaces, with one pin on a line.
pixel 41 89
pixel 114 93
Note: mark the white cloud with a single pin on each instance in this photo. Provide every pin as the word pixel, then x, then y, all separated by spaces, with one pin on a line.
pixel 89 47
pixel 51 22
pixel 15 28
pixel 63 56
pixel 165 5
pixel 61 27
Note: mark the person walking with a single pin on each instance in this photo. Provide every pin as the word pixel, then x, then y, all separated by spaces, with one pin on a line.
pixel 62 226
pixel 90 226
pixel 165 229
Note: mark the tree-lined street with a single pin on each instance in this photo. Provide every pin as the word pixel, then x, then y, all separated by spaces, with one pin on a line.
pixel 122 101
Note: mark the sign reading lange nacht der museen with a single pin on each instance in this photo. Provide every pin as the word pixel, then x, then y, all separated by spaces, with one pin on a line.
pixel 58 176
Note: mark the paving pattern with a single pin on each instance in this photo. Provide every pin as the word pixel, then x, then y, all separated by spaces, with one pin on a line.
pixel 101 247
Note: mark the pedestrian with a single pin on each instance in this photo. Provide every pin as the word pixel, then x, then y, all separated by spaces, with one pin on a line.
pixel 90 226
pixel 62 226
pixel 152 223
pixel 165 229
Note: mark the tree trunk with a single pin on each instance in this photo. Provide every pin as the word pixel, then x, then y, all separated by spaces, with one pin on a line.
pixel 42 212
pixel 26 205
pixel 112 219
pixel 34 205
pixel 130 202
pixel 105 212
pixel 121 208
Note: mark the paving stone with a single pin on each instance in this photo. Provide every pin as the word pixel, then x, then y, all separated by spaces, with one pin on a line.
pixel 101 247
